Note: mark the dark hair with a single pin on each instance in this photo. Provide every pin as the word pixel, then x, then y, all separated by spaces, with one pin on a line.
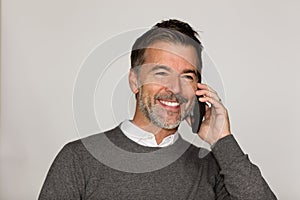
pixel 171 30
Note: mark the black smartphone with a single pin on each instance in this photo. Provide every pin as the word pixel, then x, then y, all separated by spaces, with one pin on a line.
pixel 197 113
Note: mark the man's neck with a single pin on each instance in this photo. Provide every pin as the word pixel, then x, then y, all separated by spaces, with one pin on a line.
pixel 159 133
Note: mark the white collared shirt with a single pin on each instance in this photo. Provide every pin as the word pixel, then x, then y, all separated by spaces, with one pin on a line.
pixel 145 138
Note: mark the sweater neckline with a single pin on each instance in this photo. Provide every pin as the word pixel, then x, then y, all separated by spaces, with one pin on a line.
pixel 115 150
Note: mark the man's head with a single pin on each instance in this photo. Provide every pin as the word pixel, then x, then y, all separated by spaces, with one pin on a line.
pixel 166 63
pixel 173 31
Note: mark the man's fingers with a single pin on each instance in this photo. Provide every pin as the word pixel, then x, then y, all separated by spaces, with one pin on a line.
pixel 207 93
pixel 214 102
pixel 205 87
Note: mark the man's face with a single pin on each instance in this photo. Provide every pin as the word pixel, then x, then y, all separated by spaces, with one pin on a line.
pixel 167 83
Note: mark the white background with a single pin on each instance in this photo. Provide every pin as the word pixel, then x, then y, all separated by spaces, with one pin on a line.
pixel 254 44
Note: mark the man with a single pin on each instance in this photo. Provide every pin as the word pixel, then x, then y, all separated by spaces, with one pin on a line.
pixel 165 77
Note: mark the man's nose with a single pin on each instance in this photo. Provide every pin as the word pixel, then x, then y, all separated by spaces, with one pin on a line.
pixel 175 85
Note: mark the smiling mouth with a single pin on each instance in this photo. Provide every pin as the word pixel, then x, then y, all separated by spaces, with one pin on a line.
pixel 173 104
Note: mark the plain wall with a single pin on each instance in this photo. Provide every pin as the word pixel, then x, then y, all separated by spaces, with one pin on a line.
pixel 254 44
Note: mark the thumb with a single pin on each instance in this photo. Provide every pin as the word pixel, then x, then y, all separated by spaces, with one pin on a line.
pixel 207 112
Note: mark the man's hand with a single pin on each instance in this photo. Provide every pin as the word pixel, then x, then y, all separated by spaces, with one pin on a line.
pixel 216 121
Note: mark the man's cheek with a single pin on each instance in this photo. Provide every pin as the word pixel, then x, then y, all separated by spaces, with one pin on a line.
pixel 189 105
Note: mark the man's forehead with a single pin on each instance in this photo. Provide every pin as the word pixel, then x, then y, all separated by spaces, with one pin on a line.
pixel 169 52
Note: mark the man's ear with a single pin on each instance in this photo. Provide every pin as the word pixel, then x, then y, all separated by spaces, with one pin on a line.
pixel 133 81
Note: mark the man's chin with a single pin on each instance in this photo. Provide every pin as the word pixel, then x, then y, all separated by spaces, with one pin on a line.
pixel 169 125
pixel 166 120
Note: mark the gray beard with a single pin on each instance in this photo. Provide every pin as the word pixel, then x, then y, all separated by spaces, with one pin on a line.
pixel 152 116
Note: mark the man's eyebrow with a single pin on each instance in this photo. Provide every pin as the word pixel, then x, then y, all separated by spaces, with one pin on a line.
pixel 186 71
pixel 157 67
pixel 190 71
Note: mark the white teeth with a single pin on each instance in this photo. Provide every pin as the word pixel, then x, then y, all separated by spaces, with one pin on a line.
pixel 168 103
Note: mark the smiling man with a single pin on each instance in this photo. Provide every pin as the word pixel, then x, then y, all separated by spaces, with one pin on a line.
pixel 165 77
pixel 165 85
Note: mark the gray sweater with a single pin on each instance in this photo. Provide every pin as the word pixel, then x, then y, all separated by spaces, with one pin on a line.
pixel 224 173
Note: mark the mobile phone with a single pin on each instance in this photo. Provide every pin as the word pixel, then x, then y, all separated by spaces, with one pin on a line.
pixel 197 113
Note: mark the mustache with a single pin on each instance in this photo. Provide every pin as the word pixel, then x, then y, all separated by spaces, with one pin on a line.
pixel 172 97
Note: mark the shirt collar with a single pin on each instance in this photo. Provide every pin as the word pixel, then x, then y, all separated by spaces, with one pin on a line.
pixel 143 137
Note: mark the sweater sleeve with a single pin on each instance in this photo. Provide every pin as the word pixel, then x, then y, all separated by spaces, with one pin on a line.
pixel 65 179
pixel 239 179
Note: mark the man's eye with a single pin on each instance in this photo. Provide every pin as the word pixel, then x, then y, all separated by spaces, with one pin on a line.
pixel 188 77
pixel 161 73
